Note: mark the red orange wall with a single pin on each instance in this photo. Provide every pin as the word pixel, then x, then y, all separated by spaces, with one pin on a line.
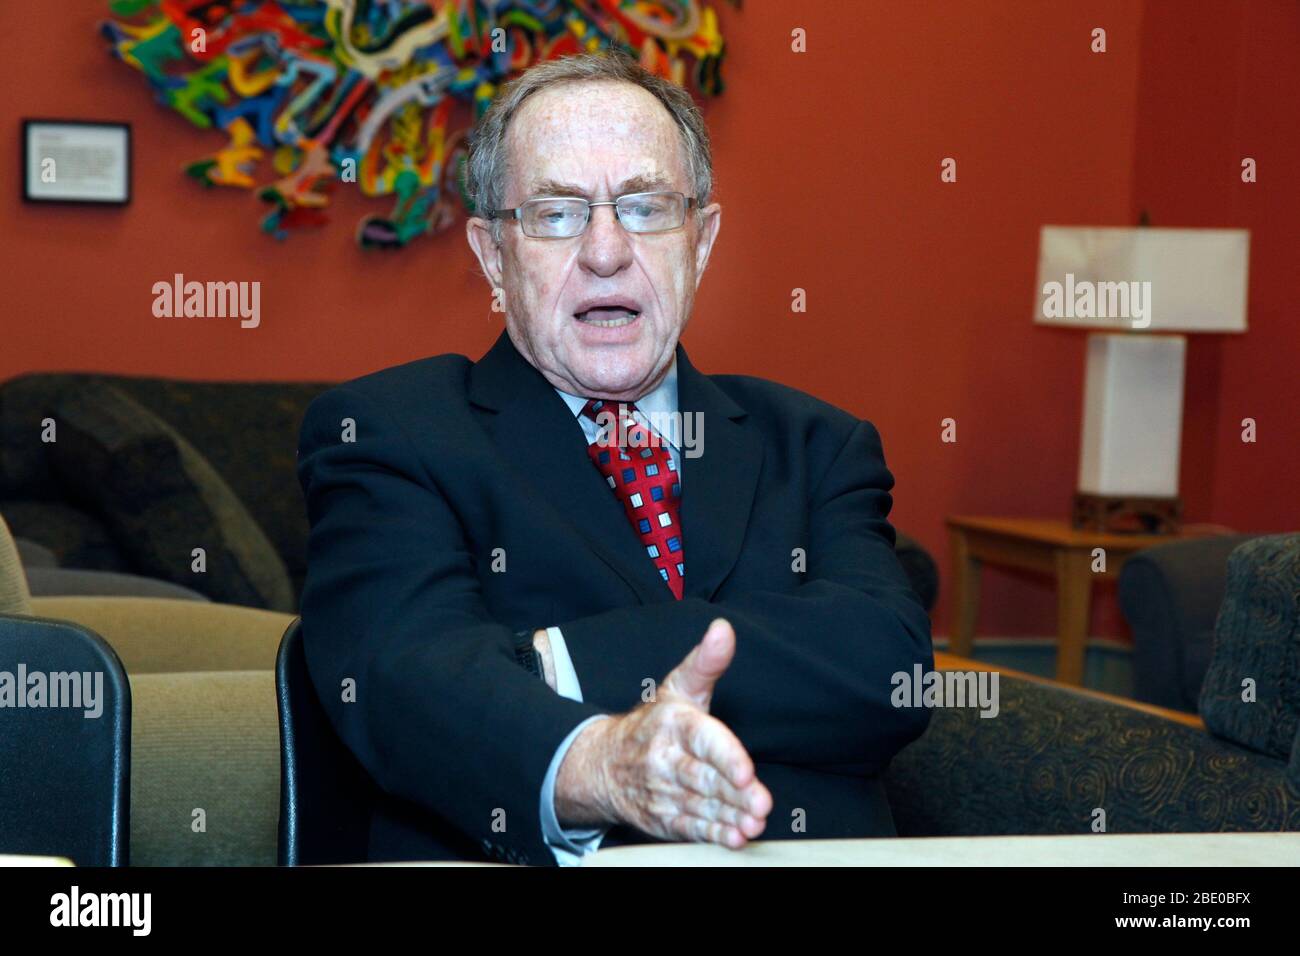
pixel 1221 84
pixel 919 292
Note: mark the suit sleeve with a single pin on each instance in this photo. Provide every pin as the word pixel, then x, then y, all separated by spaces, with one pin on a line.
pixel 442 715
pixel 811 681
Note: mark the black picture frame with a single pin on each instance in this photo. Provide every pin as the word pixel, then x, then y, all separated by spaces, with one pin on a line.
pixel 32 124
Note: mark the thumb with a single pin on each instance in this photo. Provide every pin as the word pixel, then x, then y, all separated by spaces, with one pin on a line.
pixel 695 676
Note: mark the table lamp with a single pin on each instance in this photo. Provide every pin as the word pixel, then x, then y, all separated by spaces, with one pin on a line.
pixel 1137 290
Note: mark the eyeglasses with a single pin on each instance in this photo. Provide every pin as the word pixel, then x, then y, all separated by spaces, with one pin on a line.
pixel 563 217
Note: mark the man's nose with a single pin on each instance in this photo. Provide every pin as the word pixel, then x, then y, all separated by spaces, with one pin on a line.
pixel 606 246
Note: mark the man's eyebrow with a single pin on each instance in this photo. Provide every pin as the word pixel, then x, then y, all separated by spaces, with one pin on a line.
pixel 634 184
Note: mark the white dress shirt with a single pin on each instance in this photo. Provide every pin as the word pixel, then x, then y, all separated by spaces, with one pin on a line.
pixel 570 845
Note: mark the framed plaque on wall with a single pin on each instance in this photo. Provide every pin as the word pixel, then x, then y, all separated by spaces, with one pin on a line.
pixel 77 161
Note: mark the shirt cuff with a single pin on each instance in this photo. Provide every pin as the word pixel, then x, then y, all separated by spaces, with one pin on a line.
pixel 569 846
pixel 566 678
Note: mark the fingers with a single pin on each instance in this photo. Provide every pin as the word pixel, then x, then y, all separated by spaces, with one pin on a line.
pixel 728 812
pixel 716 764
pixel 711 741
pixel 738 800
pixel 689 798
pixel 695 676
pixel 704 783
pixel 699 830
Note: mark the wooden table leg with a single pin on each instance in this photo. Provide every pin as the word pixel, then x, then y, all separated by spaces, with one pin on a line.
pixel 1073 599
pixel 965 594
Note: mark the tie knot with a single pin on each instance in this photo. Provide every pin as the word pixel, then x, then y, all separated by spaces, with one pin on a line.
pixel 596 406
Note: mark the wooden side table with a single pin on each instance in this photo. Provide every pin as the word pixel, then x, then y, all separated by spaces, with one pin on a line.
pixel 1051 547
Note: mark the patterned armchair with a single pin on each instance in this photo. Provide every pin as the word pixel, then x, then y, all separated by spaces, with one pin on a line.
pixel 1054 756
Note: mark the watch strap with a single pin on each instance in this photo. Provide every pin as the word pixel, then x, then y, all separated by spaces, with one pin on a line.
pixel 526 655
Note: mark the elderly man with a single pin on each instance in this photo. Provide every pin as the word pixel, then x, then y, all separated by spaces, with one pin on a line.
pixel 540 617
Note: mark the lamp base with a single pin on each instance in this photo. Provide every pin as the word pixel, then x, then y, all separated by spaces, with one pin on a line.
pixel 1126 514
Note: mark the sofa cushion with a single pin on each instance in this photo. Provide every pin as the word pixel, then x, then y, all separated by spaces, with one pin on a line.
pixel 24 403
pixel 247 430
pixel 47 582
pixel 205 769
pixel 77 538
pixel 1257 646
pixel 162 499
pixel 34 555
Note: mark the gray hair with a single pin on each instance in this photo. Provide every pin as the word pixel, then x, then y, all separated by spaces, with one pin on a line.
pixel 485 171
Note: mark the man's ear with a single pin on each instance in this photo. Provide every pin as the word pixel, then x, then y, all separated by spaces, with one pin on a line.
pixel 706 235
pixel 479 233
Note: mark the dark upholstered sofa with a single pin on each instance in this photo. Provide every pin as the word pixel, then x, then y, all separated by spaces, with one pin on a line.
pixel 141 471
pixel 131 475
pixel 1054 756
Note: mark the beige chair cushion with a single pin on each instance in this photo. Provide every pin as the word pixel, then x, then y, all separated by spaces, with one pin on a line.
pixel 164 635
pixel 205 742
pixel 205 732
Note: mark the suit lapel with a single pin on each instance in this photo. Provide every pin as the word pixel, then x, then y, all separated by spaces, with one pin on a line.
pixel 717 486
pixel 539 435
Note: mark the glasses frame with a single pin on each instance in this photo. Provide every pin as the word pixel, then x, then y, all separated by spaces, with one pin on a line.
pixel 517 214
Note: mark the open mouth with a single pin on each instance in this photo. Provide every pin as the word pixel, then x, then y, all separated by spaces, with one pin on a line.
pixel 607 317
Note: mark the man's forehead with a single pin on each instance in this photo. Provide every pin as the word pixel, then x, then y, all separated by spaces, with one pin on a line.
pixel 601 107
pixel 580 139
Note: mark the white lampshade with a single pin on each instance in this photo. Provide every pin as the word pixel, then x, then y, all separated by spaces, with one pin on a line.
pixel 1143 279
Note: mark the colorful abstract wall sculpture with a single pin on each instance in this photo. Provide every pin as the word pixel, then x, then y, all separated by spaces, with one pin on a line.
pixel 317 94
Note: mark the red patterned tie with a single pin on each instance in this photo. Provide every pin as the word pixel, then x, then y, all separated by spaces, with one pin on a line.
pixel 642 475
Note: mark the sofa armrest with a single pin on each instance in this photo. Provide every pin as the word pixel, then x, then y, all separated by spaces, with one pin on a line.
pixel 161 635
pixel 944 661
pixel 1170 596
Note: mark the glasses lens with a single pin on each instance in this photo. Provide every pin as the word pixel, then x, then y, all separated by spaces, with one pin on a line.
pixel 652 212
pixel 554 218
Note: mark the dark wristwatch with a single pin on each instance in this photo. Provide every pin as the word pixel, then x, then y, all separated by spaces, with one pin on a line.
pixel 526 655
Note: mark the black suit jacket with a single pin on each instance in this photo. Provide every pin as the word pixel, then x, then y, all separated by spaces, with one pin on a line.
pixel 453 463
